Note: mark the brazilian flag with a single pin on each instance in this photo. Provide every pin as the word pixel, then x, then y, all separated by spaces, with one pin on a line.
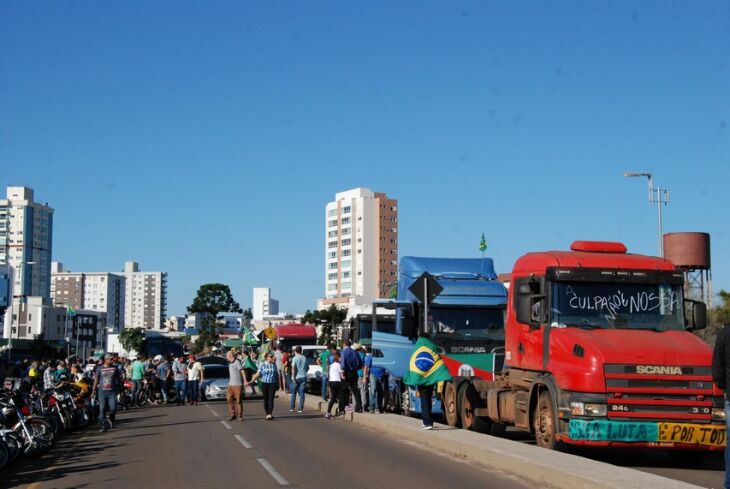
pixel 426 366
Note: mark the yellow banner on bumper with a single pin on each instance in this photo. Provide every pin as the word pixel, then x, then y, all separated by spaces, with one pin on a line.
pixel 693 434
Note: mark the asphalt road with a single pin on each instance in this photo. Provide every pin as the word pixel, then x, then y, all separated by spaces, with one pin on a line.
pixel 195 447
pixel 710 474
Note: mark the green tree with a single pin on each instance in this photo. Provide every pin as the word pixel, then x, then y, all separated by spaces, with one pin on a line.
pixel 132 339
pixel 329 319
pixel 717 317
pixel 211 300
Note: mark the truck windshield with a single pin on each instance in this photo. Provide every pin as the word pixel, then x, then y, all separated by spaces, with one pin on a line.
pixel 467 323
pixel 591 305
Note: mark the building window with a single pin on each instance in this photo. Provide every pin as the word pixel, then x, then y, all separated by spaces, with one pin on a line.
pixel 332 244
pixel 346 209
pixel 345 274
pixel 332 234
pixel 346 242
pixel 346 285
pixel 345 232
pixel 346 263
pixel 332 287
pixel 332 254
pixel 331 276
pixel 332 223
pixel 331 212
pixel 332 266
pixel 345 220
pixel 346 252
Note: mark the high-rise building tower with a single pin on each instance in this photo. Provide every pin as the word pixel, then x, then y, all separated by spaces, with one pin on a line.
pixel 145 298
pixel 26 239
pixel 361 247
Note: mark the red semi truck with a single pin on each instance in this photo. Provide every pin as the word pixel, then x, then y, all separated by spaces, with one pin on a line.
pixel 598 352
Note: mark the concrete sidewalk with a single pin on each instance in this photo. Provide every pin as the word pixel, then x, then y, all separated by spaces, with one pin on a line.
pixel 539 466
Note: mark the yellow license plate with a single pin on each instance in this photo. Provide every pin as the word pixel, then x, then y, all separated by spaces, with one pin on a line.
pixel 693 434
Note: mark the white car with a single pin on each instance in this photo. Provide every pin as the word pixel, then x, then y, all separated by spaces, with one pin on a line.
pixel 314 372
pixel 215 383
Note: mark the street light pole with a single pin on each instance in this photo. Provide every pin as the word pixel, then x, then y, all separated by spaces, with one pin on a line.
pixel 658 196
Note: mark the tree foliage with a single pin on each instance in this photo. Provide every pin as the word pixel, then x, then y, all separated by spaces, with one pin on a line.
pixel 210 301
pixel 132 339
pixel 717 317
pixel 328 319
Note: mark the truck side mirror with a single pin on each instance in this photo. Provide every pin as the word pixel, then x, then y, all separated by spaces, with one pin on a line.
pixel 695 314
pixel 528 304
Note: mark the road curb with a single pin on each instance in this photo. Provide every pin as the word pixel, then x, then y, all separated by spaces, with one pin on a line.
pixel 539 466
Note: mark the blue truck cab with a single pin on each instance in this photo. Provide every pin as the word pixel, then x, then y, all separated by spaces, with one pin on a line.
pixel 465 321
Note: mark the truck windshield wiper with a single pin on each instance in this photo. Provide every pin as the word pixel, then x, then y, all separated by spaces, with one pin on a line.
pixel 585 326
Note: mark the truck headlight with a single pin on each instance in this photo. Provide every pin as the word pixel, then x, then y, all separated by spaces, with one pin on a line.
pixel 718 414
pixel 587 409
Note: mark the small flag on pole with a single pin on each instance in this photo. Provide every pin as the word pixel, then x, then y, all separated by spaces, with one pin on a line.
pixel 70 310
pixel 483 244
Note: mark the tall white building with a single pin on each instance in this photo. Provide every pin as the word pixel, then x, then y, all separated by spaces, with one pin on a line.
pixel 361 247
pixel 93 291
pixel 263 303
pixel 145 298
pixel 26 239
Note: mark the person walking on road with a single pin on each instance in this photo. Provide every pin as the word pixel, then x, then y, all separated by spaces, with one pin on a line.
pixel 235 387
pixel 323 362
pixel 107 381
pixel 351 363
pixel 138 370
pixel 721 377
pixel 180 377
pixel 163 376
pixel 298 379
pixel 195 377
pixel 269 382
pixel 426 370
pixel 335 379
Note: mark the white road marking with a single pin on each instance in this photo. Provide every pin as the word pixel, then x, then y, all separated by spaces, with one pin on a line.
pixel 213 412
pixel 242 441
pixel 225 423
pixel 272 471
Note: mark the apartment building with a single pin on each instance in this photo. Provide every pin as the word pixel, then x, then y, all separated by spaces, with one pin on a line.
pixel 26 239
pixel 94 291
pixel 263 303
pixel 145 297
pixel 361 247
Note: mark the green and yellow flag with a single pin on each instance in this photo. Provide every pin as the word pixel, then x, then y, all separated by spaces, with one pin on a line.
pixel 426 366
pixel 70 311
pixel 483 244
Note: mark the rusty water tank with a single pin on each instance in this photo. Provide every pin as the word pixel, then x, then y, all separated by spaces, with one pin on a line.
pixel 690 251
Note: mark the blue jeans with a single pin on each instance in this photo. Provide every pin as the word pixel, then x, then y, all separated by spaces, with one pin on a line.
pixel 162 387
pixel 136 386
pixel 376 393
pixel 180 388
pixel 324 387
pixel 107 399
pixel 297 387
pixel 727 448
pixel 426 392
pixel 193 391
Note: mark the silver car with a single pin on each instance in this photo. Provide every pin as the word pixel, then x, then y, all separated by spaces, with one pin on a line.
pixel 215 383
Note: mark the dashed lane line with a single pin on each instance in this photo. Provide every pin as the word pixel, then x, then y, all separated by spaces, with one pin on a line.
pixel 225 423
pixel 242 441
pixel 273 472
pixel 213 412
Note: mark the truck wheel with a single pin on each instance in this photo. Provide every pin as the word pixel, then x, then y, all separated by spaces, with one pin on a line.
pixel 545 422
pixel 450 405
pixel 468 398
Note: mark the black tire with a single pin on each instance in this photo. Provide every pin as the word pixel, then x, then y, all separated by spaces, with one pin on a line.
pixel 545 422
pixel 498 429
pixel 450 405
pixel 468 399
pixel 142 398
pixel 15 445
pixel 41 436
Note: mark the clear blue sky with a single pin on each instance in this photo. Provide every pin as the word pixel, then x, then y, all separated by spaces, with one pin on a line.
pixel 205 139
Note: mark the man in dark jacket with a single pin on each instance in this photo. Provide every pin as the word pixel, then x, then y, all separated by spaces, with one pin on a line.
pixel 720 375
pixel 351 363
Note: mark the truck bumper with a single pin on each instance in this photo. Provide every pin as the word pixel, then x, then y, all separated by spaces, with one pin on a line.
pixel 610 433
